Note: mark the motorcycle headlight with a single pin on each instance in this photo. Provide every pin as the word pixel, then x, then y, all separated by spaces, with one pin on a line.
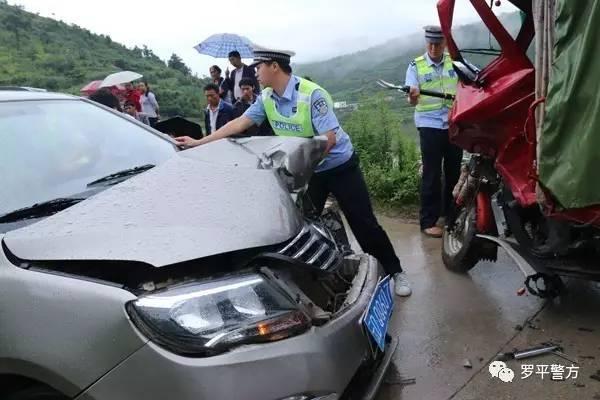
pixel 207 318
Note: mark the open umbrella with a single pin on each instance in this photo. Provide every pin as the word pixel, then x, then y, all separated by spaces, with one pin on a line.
pixel 221 44
pixel 120 77
pixel 179 126
pixel 94 86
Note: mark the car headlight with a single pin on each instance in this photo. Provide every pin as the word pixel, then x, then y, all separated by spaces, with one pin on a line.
pixel 207 318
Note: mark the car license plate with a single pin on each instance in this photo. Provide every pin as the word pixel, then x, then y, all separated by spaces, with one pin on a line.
pixel 379 312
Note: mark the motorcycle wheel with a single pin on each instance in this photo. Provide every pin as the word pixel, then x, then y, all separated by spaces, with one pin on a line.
pixel 461 248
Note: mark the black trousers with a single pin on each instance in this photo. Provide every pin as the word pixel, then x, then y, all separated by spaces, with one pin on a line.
pixel 347 184
pixel 153 121
pixel 435 148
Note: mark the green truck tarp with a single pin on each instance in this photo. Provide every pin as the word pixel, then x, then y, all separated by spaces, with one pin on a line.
pixel 569 159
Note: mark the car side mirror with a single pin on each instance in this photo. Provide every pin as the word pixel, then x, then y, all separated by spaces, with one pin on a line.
pixel 466 73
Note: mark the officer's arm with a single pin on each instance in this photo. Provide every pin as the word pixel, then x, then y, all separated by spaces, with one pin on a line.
pixel 233 127
pixel 324 120
pixel 331 141
pixel 412 80
pixel 238 125
pixel 254 115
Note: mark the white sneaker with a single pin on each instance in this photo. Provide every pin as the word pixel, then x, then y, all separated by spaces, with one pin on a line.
pixel 402 285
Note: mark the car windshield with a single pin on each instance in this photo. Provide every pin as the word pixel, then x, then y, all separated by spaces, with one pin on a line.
pixel 54 149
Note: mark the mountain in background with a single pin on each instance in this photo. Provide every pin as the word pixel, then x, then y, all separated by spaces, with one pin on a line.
pixel 352 76
pixel 42 52
pixel 45 53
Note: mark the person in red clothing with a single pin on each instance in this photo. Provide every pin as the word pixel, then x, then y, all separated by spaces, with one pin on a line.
pixel 133 95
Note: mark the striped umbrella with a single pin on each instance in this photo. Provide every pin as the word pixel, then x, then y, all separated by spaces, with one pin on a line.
pixel 221 44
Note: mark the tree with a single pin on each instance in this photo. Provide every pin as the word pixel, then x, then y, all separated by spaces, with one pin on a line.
pixel 175 62
pixel 137 52
pixel 388 157
pixel 17 22
pixel 63 58
pixel 148 53
pixel 121 64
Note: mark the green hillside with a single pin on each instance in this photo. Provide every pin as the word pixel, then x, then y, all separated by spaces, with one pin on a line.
pixel 45 53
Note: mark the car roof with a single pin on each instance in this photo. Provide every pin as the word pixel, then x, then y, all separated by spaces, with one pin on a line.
pixel 22 95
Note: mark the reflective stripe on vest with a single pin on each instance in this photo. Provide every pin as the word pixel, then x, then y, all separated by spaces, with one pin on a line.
pixel 430 80
pixel 300 123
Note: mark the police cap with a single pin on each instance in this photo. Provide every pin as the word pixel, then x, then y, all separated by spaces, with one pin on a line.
pixel 271 55
pixel 433 34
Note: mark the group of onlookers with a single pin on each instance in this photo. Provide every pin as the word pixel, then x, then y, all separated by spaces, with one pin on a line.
pixel 137 101
pixel 227 98
pixel 230 96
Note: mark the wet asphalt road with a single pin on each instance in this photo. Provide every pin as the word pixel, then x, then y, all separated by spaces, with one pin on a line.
pixel 451 318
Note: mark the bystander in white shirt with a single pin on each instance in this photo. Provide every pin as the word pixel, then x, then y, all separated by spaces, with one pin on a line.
pixel 149 105
pixel 237 91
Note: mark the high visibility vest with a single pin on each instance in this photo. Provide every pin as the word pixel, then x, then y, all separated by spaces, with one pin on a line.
pixel 300 123
pixel 429 79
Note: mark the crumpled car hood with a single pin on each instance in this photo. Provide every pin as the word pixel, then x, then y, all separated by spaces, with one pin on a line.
pixel 195 205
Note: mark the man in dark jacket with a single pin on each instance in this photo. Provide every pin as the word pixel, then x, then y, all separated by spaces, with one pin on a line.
pixel 218 112
pixel 241 71
pixel 248 98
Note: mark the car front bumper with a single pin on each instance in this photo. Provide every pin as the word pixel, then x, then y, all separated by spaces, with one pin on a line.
pixel 320 362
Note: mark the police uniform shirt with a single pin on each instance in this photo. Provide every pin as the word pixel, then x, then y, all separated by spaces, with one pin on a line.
pixel 323 120
pixel 437 119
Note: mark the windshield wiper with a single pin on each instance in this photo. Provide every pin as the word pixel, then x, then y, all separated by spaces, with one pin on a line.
pixel 39 210
pixel 126 173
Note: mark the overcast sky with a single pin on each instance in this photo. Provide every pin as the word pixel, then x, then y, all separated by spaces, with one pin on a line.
pixel 314 29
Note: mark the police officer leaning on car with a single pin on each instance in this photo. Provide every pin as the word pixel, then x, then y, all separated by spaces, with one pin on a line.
pixel 298 107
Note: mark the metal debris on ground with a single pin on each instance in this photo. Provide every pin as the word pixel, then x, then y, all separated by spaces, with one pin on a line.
pixel 518 328
pixel 408 381
pixel 596 376
pixel 545 348
pixel 533 326
pixel 586 330
pixel 467 364
pixel 536 351
pixel 393 377
pixel 587 357
pixel 400 381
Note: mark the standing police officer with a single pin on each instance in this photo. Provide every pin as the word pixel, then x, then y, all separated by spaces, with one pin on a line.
pixel 433 71
pixel 298 107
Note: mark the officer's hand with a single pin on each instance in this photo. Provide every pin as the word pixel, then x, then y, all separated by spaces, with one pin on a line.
pixel 227 73
pixel 186 142
pixel 413 95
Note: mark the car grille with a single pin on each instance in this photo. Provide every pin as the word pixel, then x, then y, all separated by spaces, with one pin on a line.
pixel 314 246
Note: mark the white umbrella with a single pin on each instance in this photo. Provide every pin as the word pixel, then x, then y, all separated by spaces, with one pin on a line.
pixel 120 77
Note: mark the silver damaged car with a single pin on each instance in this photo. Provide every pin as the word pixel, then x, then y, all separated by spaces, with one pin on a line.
pixel 131 270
